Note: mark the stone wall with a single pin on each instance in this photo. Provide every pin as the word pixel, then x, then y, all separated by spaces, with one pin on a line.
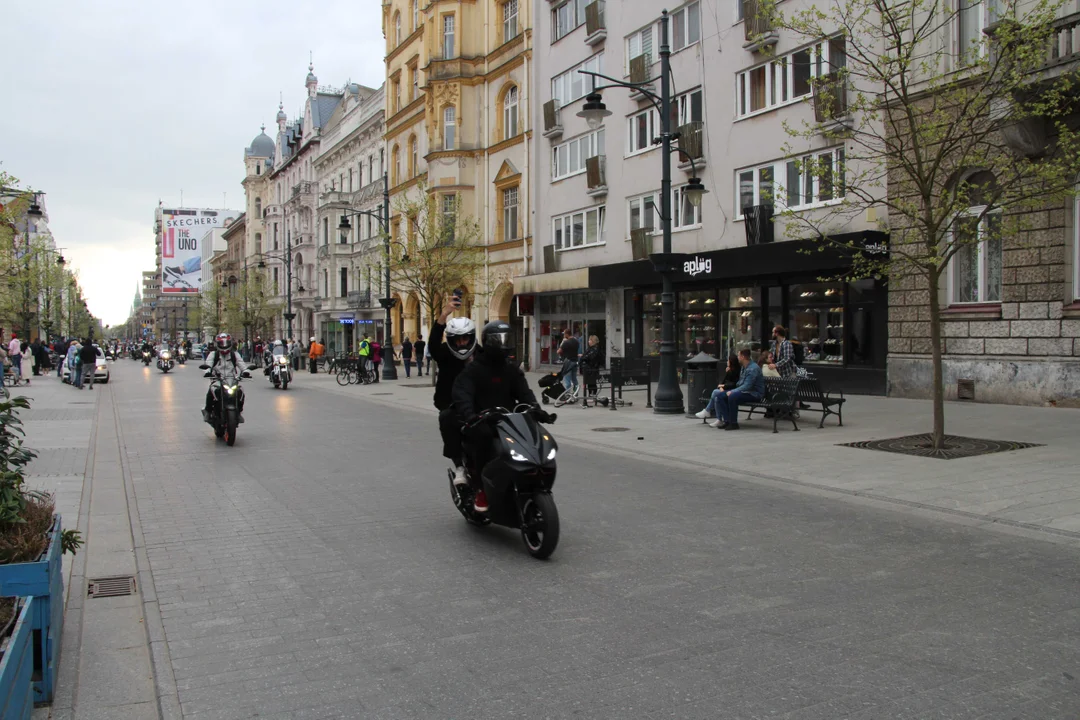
pixel 1025 350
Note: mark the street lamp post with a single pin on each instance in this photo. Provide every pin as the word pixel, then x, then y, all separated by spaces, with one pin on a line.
pixel 287 258
pixel 668 398
pixel 387 302
pixel 34 211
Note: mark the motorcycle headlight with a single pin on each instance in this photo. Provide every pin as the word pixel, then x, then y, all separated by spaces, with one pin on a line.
pixel 282 361
pixel 515 455
pixel 551 455
pixel 231 389
pixel 164 356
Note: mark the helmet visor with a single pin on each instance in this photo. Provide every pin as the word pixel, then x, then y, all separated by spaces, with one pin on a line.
pixel 499 340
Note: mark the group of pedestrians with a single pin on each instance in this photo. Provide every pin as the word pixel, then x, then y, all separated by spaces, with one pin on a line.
pixel 418 349
pixel 80 358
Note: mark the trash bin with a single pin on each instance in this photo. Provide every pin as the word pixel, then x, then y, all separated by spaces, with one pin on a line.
pixel 703 375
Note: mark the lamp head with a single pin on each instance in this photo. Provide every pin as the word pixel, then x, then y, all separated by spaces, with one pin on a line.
pixel 694 191
pixel 594 111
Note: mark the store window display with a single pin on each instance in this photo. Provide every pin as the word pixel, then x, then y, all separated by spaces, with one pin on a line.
pixel 817 318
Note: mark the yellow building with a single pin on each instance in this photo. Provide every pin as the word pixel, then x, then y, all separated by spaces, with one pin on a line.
pixel 457 109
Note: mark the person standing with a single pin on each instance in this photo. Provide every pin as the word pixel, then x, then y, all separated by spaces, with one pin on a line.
pixel 315 350
pixel 568 351
pixel 15 357
pixel 376 357
pixel 294 354
pixel 70 359
pixel 35 357
pixel 364 351
pixel 419 347
pixel 406 355
pixel 88 354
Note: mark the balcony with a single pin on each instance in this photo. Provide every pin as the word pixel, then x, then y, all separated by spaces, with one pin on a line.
pixel 302 188
pixel 641 73
pixel 272 211
pixel 359 300
pixel 335 249
pixel 596 176
pixel 594 23
pixel 692 147
pixel 439 68
pixel 758 30
pixel 552 120
pixel 831 105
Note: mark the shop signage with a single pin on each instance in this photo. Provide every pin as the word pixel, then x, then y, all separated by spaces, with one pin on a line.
pixel 347 321
pixel 876 248
pixel 697 265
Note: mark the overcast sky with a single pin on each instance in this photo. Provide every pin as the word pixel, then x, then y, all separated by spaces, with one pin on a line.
pixel 110 106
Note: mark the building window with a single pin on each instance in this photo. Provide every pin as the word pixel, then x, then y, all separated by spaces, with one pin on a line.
pixel 643 211
pixel 343 238
pixel 397 29
pixel 583 228
pixel 258 207
pixel 567 17
pixel 510 213
pixel 258 243
pixel 448 212
pixel 786 79
pixel 641 43
pixel 397 165
pixel 685 26
pixel 448 36
pixel 326 231
pixel 975 268
pixel 643 127
pixel 972 17
pixel 1076 244
pixel 569 158
pixel 344 281
pixel 415 14
pixel 684 215
pixel 572 85
pixel 415 74
pixel 798 183
pixel 449 127
pixel 325 283
pixel 275 274
pixel 397 95
pixel 510 20
pixel 414 157
pixel 687 108
pixel 510 113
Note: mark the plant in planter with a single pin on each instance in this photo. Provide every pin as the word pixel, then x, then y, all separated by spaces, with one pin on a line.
pixel 31 543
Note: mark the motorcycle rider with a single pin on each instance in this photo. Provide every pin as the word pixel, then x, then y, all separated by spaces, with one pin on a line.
pixel 491 380
pixel 451 356
pixel 220 358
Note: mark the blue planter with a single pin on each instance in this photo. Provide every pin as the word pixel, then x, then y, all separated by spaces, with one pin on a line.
pixel 42 582
pixel 17 668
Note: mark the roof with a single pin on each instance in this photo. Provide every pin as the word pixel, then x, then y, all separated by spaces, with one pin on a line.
pixel 322 107
pixel 261 146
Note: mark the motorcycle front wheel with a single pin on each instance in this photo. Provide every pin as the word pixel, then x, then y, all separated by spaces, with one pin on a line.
pixel 540 530
pixel 232 419
pixel 284 384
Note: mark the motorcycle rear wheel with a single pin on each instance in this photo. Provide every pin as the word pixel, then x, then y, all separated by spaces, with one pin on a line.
pixel 540 531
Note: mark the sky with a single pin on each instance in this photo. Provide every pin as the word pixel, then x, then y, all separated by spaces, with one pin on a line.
pixel 111 106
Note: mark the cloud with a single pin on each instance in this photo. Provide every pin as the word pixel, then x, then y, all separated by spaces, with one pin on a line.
pixel 116 105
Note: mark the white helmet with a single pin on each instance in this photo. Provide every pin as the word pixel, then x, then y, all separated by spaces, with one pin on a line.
pixel 278 343
pixel 461 337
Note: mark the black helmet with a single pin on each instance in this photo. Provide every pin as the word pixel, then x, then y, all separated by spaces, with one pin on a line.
pixel 497 337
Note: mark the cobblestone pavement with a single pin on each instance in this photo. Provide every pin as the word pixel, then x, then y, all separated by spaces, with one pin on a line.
pixel 318 570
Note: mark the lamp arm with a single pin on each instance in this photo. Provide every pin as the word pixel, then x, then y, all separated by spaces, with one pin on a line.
pixel 640 87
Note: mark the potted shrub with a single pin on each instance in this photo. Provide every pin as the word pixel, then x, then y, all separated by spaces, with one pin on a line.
pixel 32 541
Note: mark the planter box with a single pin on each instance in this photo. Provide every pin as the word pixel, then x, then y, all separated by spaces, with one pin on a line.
pixel 17 667
pixel 43 583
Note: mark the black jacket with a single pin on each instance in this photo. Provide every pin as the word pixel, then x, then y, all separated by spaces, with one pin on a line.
pixel 486 383
pixel 592 358
pixel 406 350
pixel 449 366
pixel 88 354
pixel 731 379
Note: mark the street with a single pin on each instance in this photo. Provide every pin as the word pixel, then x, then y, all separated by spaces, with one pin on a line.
pixel 318 570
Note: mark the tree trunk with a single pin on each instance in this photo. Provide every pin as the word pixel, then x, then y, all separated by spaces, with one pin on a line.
pixel 938 435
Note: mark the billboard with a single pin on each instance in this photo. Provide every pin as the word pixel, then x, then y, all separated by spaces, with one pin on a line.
pixel 181 257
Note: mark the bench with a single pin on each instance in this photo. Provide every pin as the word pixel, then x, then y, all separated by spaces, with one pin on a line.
pixel 628 376
pixel 781 395
pixel 810 392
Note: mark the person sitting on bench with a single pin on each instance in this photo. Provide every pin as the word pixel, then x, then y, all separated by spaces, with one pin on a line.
pixel 751 388
pixel 731 379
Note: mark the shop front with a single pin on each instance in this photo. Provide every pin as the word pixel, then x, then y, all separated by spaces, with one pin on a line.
pixel 342 334
pixel 729 300
pixel 584 313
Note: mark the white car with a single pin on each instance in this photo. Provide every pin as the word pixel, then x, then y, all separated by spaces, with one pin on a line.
pixel 101 369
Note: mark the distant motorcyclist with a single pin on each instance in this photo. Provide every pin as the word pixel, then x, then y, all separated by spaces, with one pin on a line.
pixel 223 360
pixel 451 356
pixel 491 380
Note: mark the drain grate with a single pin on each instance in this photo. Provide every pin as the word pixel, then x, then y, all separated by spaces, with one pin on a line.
pixel 382 393
pixel 610 429
pixel 111 586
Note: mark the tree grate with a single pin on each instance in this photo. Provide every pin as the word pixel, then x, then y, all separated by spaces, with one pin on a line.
pixel 118 586
pixel 955 446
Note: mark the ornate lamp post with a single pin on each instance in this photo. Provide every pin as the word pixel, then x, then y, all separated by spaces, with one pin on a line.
pixel 287 259
pixel 668 398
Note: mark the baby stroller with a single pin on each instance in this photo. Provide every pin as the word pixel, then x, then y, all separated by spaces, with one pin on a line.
pixel 551 387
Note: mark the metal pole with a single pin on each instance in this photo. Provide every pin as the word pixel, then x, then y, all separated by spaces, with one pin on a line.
pixel 669 399
pixel 288 282
pixel 389 371
pixel 246 319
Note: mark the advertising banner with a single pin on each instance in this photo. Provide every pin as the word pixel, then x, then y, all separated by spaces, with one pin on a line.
pixel 181 258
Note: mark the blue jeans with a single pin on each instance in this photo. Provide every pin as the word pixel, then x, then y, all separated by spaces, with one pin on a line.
pixel 16 366
pixel 407 362
pixel 77 382
pixel 729 406
pixel 714 401
pixel 570 375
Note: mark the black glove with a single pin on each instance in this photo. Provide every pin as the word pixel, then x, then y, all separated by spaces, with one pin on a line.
pixel 543 416
pixel 207 374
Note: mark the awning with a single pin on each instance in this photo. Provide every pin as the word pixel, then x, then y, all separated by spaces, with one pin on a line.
pixel 560 281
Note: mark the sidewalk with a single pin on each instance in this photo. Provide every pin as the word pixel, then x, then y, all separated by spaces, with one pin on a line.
pixel 1033 489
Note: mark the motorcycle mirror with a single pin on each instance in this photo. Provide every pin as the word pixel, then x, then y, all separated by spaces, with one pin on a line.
pixel 204 366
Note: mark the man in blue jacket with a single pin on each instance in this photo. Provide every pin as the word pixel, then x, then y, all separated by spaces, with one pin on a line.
pixel 751 388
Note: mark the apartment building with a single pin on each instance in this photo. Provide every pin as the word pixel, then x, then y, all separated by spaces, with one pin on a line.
pixel 350 206
pixel 596 193
pixel 459 125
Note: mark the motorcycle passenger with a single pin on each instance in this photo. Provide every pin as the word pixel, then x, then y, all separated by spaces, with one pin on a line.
pixel 451 356
pixel 223 358
pixel 491 380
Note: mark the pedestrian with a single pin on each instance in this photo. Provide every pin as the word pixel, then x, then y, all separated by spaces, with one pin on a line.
pixel 419 347
pixel 42 358
pixel 15 357
pixel 294 354
pixel 568 351
pixel 427 358
pixel 406 355
pixel 364 351
pixel 88 355
pixel 35 357
pixel 315 350
pixel 71 359
pixel 783 353
pixel 376 357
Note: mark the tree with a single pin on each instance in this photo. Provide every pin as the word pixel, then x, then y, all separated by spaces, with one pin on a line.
pixel 933 137
pixel 441 250
pixel 211 314
pixel 253 305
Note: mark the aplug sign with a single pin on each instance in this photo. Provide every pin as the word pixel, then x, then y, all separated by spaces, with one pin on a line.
pixel 697 265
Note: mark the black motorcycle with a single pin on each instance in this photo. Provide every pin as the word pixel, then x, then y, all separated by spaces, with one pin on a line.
pixel 227 404
pixel 146 357
pixel 517 480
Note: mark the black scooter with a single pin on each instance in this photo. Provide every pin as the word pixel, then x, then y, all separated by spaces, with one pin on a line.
pixel 517 480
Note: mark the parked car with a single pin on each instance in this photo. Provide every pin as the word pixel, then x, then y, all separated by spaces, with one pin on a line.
pixel 196 350
pixel 101 369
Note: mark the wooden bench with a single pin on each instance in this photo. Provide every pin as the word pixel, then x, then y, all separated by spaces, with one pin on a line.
pixel 810 392
pixel 781 395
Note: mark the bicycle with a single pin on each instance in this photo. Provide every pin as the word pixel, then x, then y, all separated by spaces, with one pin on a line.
pixel 347 371
pixel 568 396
